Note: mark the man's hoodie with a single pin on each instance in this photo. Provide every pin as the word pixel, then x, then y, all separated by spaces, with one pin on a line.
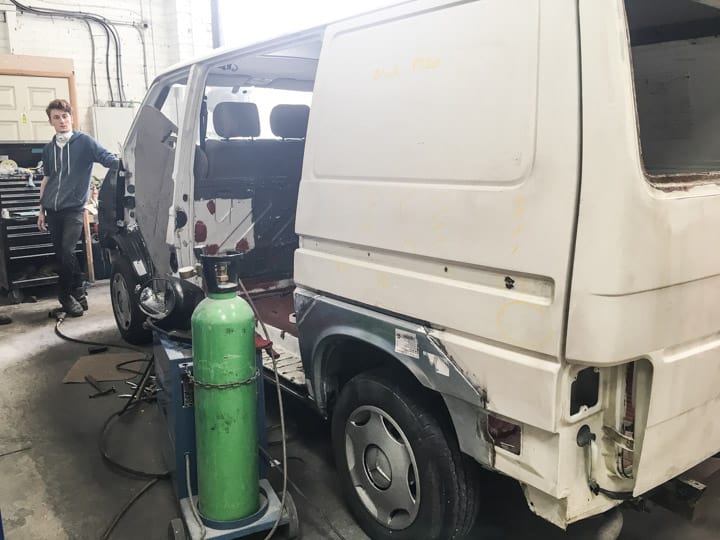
pixel 68 170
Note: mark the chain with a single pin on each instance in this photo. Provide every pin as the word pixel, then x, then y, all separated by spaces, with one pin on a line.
pixel 225 386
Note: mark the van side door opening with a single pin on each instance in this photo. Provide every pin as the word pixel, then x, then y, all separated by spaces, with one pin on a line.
pixel 246 174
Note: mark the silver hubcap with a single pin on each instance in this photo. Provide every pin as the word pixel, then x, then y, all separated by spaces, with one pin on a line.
pixel 121 301
pixel 382 467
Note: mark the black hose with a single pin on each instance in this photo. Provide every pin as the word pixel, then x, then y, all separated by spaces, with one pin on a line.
pixel 131 404
pixel 121 365
pixel 93 77
pixel 93 343
pixel 107 62
pixel 127 506
pixel 117 466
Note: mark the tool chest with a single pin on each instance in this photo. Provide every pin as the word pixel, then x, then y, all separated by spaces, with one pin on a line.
pixel 27 258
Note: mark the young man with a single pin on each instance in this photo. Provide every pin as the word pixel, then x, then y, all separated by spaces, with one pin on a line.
pixel 67 161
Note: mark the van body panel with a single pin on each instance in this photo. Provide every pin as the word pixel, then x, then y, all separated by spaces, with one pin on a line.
pixel 670 448
pixel 415 346
pixel 646 280
pixel 504 373
pixel 446 229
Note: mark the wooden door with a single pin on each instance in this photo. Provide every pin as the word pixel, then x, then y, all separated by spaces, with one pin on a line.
pixel 23 100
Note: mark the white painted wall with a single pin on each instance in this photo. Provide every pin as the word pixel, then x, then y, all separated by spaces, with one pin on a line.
pixel 173 30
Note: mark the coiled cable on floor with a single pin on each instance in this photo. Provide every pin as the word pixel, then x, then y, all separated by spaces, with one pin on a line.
pixel 135 400
pixel 60 318
pixel 123 511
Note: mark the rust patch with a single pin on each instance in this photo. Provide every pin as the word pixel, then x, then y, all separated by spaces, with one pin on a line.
pixel 242 245
pixel 682 182
pixel 212 249
pixel 200 232
pixel 211 206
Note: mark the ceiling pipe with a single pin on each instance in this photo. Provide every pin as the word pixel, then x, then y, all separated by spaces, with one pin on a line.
pixel 215 17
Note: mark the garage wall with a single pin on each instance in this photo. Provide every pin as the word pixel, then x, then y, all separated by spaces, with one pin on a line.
pixel 172 31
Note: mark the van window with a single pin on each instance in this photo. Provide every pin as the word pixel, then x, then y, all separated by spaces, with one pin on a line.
pixel 675 52
pixel 172 107
pixel 404 99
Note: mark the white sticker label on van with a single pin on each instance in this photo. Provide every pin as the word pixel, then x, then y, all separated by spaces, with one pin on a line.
pixel 406 343
pixel 139 268
pixel 439 363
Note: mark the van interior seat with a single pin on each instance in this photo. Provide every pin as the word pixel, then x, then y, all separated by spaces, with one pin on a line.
pixel 277 191
pixel 233 158
pixel 289 121
pixel 267 171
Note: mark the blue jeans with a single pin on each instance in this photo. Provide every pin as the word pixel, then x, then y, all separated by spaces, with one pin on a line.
pixel 65 230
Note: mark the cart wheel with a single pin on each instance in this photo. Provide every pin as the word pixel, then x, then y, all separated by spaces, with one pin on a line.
pixel 176 530
pixel 293 526
pixel 16 296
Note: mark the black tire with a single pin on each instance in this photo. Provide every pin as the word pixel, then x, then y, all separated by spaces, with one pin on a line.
pixel 442 491
pixel 128 317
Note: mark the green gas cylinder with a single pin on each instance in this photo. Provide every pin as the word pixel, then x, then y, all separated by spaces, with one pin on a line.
pixel 224 372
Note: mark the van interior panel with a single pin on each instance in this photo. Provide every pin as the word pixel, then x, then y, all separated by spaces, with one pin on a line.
pixel 675 51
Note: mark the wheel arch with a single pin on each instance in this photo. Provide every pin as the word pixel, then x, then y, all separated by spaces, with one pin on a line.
pixel 345 352
pixel 132 247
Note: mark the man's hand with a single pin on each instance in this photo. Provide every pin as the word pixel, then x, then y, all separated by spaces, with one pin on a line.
pixel 41 221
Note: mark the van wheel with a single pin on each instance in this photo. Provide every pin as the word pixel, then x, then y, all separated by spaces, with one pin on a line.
pixel 125 306
pixel 402 472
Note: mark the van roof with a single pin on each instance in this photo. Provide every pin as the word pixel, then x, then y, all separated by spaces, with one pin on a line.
pixel 274 45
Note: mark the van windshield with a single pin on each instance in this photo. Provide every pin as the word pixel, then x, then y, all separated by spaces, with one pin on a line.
pixel 675 52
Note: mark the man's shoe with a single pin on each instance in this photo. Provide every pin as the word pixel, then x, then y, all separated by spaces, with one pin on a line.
pixel 4 319
pixel 71 306
pixel 80 295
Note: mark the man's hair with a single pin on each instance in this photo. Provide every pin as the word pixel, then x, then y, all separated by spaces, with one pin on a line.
pixel 60 105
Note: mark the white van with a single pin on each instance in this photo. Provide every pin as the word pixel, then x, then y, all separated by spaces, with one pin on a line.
pixel 480 232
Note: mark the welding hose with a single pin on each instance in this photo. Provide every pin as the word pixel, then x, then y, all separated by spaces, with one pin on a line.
pixel 280 406
pixel 108 531
pixel 61 318
pixel 132 403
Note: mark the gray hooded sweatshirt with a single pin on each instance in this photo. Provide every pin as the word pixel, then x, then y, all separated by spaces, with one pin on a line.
pixel 68 170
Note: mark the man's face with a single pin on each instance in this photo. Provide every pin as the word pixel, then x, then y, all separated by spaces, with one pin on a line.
pixel 60 120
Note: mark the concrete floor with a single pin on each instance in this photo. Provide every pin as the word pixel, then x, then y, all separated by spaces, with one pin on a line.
pixel 56 487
